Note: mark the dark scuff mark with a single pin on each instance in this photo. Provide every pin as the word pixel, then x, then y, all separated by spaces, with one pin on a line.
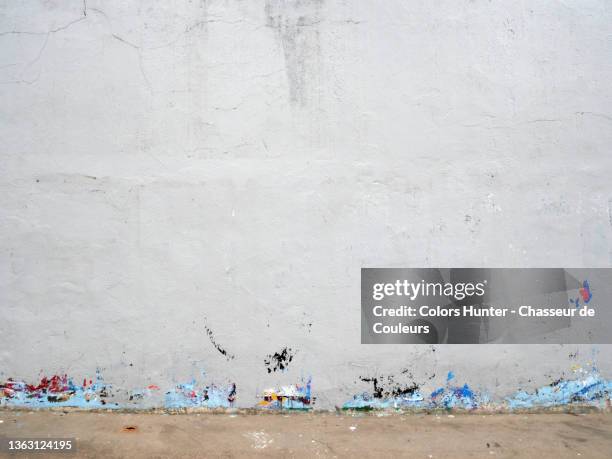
pixel 223 352
pixel 279 360
pixel 382 390
pixel 378 391
pixel 556 382
pixel 400 391
pixel 408 373
pixel 60 397
pixel 232 394
pixel 306 323
pixel 104 394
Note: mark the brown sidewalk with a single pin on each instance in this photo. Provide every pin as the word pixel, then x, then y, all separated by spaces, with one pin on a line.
pixel 106 435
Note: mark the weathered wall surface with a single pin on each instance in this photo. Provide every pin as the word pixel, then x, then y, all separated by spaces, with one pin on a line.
pixel 182 179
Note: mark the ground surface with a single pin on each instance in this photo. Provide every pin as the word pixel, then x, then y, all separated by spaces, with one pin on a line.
pixel 320 435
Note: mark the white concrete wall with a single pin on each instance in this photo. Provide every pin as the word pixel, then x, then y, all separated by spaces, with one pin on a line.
pixel 167 166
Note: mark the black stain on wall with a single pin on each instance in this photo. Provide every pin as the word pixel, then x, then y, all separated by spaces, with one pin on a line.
pixel 279 360
pixel 221 350
pixel 385 387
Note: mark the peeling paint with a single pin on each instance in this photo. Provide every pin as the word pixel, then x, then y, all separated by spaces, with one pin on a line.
pixel 294 397
pixel 450 397
pixel 56 391
pixel 387 393
pixel 367 402
pixel 188 395
pixel 587 388
pixel 397 396
pixel 591 389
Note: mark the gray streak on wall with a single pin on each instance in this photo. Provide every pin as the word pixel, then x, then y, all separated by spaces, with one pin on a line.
pixel 296 24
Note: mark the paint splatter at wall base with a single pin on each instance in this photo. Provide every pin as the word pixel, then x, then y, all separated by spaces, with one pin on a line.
pixel 588 387
pixel 56 391
pixel 188 395
pixel 294 397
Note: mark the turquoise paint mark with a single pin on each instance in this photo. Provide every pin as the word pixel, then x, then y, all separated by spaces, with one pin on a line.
pixel 366 401
pixel 591 389
pixel 447 397
pixel 188 395
pixel 454 397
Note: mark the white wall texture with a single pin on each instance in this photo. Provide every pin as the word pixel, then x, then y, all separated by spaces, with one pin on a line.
pixel 174 165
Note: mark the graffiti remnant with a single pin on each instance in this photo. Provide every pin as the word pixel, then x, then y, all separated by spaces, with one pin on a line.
pixel 56 391
pixel 188 395
pixel 294 397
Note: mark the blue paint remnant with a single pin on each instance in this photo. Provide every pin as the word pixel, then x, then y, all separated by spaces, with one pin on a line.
pixel 386 393
pixel 294 397
pixel 410 397
pixel 450 397
pixel 56 391
pixel 454 397
pixel 591 389
pixel 575 302
pixel 187 395
pixel 368 402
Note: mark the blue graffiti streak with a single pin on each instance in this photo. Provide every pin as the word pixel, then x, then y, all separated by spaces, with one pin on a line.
pixel 454 397
pixel 590 390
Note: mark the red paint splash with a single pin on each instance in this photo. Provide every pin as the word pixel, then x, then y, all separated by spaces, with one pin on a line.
pixel 585 292
pixel 54 384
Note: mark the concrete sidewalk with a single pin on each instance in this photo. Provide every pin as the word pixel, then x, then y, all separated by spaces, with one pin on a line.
pixel 131 435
